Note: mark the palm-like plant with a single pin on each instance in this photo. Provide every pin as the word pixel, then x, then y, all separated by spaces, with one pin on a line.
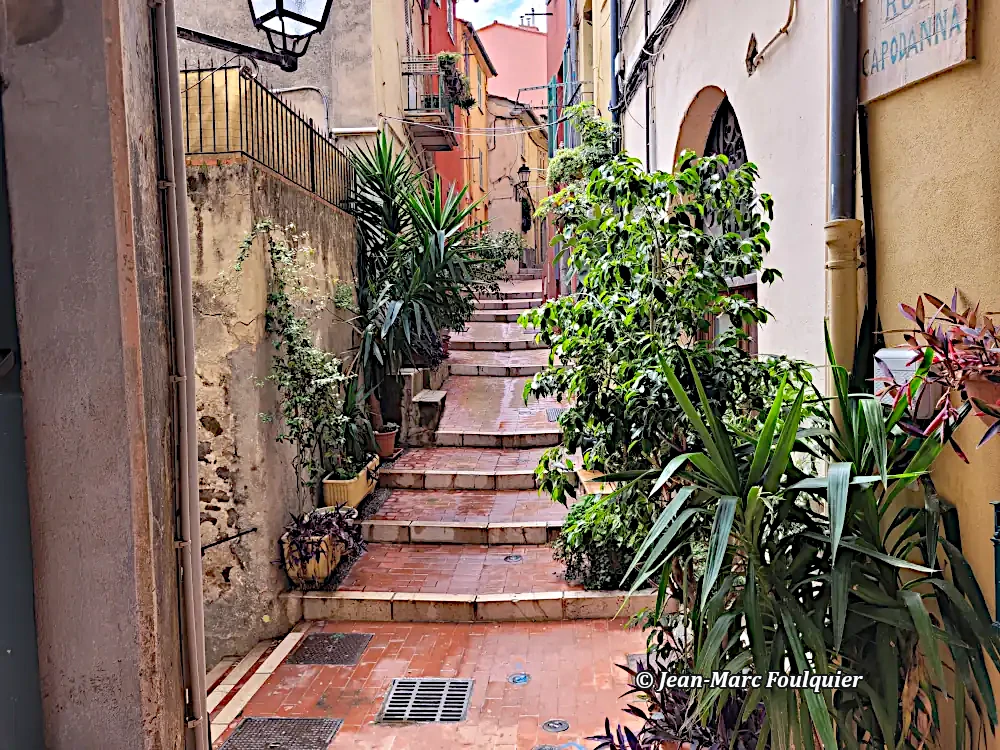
pixel 867 585
pixel 416 262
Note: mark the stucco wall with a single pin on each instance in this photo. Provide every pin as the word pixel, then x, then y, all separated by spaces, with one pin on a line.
pixel 246 479
pixel 935 189
pixel 80 142
pixel 781 110
pixel 519 56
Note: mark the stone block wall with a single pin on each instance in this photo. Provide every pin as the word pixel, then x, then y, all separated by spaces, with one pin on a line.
pixel 246 478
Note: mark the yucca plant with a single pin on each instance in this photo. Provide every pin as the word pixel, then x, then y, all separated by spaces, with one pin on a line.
pixel 826 574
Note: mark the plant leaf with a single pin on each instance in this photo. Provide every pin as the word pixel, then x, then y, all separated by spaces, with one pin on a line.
pixel 717 543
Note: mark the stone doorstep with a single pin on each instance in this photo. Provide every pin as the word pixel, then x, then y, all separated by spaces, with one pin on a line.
pixel 537 438
pixel 460 532
pixel 437 479
pixel 496 346
pixel 508 304
pixel 388 606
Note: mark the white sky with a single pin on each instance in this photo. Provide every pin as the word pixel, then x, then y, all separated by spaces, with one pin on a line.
pixel 485 12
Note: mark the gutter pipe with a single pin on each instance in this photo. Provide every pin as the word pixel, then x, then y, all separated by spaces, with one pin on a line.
pixel 178 241
pixel 843 229
pixel 614 61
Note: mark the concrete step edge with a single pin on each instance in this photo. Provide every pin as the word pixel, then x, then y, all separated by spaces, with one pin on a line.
pixel 390 606
pixel 385 531
pixel 538 438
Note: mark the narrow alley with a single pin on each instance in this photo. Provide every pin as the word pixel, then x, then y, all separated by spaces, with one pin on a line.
pixel 458 583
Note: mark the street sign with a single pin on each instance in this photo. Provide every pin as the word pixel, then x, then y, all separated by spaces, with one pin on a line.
pixel 905 41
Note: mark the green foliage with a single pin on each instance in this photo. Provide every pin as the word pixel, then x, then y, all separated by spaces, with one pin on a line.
pixel 456 83
pixel 653 253
pixel 601 535
pixel 417 264
pixel 310 381
pixel 597 146
pixel 873 586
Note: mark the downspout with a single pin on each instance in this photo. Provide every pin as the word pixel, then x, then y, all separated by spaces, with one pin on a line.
pixel 614 62
pixel 197 721
pixel 843 229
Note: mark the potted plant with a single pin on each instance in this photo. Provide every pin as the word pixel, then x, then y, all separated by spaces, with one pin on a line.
pixel 964 352
pixel 354 470
pixel 313 544
pixel 385 437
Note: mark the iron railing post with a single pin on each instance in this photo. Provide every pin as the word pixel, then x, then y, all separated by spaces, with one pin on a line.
pixel 312 156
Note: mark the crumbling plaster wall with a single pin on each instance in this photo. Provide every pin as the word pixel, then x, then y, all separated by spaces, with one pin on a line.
pixel 245 476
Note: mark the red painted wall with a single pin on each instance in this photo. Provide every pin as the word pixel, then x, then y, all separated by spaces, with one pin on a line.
pixel 448 164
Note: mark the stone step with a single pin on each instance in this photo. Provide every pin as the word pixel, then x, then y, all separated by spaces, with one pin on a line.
pixel 495 346
pixel 462 469
pixel 475 516
pixel 508 304
pixel 535 438
pixel 514 294
pixel 526 274
pixel 497 316
pixel 428 396
pixel 490 533
pixel 505 364
pixel 463 583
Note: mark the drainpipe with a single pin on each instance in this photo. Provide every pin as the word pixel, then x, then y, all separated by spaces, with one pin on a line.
pixel 175 184
pixel 614 62
pixel 843 229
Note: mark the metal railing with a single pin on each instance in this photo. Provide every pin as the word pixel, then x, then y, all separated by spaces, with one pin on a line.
pixel 426 88
pixel 228 111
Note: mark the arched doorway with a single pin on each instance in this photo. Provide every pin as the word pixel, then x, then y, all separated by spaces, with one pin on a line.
pixel 725 137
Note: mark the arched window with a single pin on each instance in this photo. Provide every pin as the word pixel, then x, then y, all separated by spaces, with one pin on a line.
pixel 726 138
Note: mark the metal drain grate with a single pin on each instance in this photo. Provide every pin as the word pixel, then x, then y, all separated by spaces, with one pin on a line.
pixel 283 734
pixel 552 413
pixel 330 648
pixel 427 699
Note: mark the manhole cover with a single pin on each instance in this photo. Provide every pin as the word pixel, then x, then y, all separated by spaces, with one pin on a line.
pixel 519 678
pixel 555 725
pixel 427 699
pixel 330 648
pixel 553 412
pixel 513 558
pixel 283 734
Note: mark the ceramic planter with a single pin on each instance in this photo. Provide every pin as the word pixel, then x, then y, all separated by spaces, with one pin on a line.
pixel 445 341
pixel 351 492
pixel 986 391
pixel 386 443
pixel 310 561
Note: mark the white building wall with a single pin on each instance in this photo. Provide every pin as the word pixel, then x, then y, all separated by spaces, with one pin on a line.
pixel 781 113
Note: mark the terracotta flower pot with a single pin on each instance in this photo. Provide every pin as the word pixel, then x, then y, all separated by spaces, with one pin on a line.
pixel 445 341
pixel 986 391
pixel 313 560
pixel 386 443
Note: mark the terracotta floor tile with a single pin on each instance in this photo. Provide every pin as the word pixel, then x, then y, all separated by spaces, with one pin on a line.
pixel 478 404
pixel 456 569
pixel 494 332
pixel 516 358
pixel 572 677
pixel 479 506
pixel 468 459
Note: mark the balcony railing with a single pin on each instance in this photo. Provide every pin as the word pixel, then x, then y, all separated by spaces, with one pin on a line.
pixel 430 111
pixel 227 111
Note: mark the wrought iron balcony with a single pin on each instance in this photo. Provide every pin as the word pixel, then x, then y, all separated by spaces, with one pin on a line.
pixel 430 111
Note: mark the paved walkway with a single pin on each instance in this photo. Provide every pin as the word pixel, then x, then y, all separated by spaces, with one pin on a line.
pixel 459 581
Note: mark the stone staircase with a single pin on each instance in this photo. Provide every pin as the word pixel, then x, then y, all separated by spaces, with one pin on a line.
pixel 464 535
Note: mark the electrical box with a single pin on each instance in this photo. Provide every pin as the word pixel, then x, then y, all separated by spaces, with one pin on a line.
pixel 899 364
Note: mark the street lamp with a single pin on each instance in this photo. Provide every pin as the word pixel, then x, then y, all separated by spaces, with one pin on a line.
pixel 289 25
pixel 523 175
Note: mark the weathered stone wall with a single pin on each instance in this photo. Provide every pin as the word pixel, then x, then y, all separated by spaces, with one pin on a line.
pixel 246 479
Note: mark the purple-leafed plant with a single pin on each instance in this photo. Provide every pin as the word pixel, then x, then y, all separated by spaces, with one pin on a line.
pixel 305 534
pixel 670 715
pixel 963 349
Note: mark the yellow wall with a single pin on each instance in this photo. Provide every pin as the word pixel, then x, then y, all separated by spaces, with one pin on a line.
pixel 601 52
pixel 936 194
pixel 476 143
